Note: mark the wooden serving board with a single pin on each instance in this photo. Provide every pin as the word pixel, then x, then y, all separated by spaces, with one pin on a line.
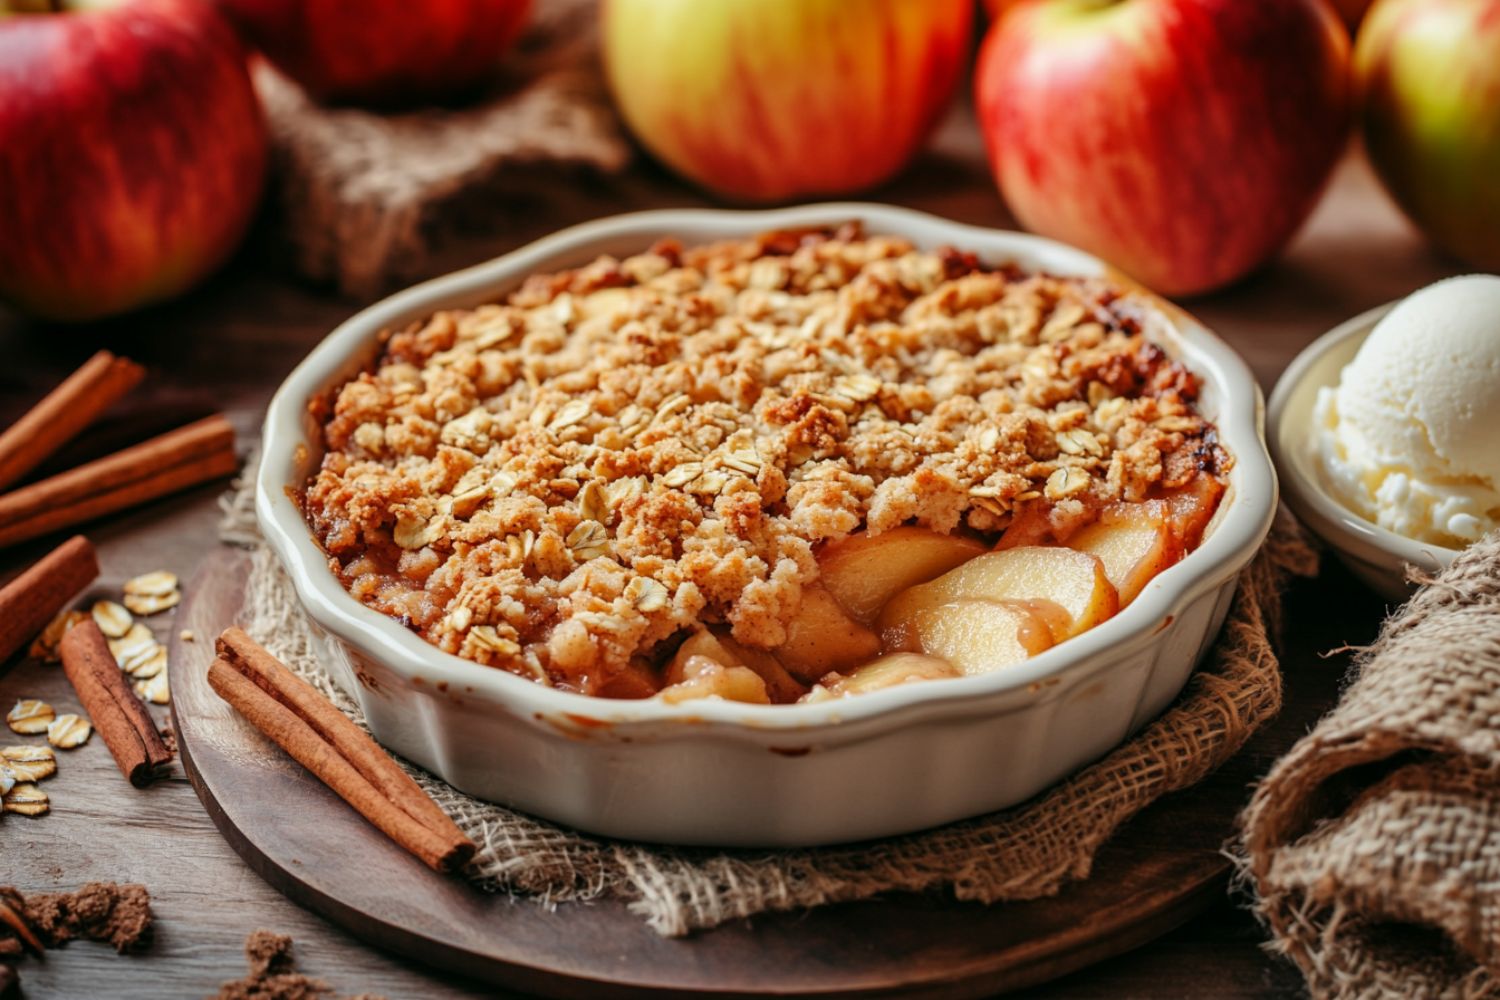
pixel 1155 874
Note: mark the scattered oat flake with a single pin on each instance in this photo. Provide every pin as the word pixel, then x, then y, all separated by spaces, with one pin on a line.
pixel 150 604
pixel 131 644
pixel 186 635
pixel 25 798
pixel 146 667
pixel 30 717
pixel 113 620
pixel 137 661
pixel 157 584
pixel 154 689
pixel 44 647
pixel 69 731
pixel 29 763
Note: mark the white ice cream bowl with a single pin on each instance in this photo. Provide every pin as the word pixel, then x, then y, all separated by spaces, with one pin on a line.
pixel 1377 556
pixel 723 773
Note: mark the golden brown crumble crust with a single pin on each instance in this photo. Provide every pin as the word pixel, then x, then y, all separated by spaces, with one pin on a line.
pixel 562 482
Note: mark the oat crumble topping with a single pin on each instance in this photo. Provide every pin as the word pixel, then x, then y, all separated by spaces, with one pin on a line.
pixel 563 483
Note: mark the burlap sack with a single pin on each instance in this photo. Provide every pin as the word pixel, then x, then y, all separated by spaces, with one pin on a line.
pixel 366 200
pixel 1374 845
pixel 1023 853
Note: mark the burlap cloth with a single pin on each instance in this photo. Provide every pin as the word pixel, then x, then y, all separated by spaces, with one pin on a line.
pixel 1027 852
pixel 366 200
pixel 1374 845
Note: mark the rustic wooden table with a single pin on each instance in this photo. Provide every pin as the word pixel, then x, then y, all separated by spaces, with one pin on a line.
pixel 229 344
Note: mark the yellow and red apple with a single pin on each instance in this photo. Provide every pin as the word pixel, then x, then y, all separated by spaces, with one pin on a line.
pixel 1352 11
pixel 1185 141
pixel 132 153
pixel 995 9
pixel 765 100
pixel 382 52
pixel 1429 80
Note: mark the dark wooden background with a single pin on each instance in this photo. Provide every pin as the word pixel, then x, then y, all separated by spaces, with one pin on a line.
pixel 230 343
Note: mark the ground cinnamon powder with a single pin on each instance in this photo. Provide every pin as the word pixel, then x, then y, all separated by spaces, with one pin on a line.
pixel 272 977
pixel 100 911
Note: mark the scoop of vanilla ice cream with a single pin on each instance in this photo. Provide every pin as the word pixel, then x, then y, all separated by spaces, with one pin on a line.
pixel 1410 437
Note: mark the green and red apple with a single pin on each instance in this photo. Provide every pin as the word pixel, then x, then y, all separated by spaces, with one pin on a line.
pixel 1184 141
pixel 767 100
pixel 132 153
pixel 383 52
pixel 1429 80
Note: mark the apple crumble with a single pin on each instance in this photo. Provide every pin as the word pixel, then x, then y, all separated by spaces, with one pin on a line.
pixel 788 467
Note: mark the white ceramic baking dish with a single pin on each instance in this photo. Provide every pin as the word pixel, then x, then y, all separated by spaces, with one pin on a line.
pixel 722 773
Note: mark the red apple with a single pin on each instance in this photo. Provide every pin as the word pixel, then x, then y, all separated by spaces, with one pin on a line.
pixel 1429 75
pixel 1352 11
pixel 132 154
pixel 1182 140
pixel 382 52
pixel 995 9
pixel 767 100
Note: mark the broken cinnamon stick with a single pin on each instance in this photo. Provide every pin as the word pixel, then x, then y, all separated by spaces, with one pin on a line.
pixel 292 714
pixel 118 715
pixel 174 461
pixel 65 411
pixel 31 600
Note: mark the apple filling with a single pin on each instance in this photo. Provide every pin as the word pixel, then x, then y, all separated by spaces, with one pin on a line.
pixel 802 465
pixel 912 604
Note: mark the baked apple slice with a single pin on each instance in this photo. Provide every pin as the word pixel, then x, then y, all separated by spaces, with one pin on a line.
pixel 889 671
pixel 701 677
pixel 637 679
pixel 973 634
pixel 1029 525
pixel 1134 542
pixel 1067 588
pixel 781 686
pixel 865 571
pixel 822 637
pixel 1192 507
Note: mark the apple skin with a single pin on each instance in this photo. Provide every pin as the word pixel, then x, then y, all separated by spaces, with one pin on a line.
pixel 382 52
pixel 1429 81
pixel 1184 141
pixel 132 155
pixel 770 100
pixel 1352 11
pixel 995 9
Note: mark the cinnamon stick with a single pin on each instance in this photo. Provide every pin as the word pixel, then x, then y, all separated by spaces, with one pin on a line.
pixel 118 715
pixel 31 600
pixel 292 713
pixel 334 727
pixel 185 457
pixel 199 439
pixel 65 411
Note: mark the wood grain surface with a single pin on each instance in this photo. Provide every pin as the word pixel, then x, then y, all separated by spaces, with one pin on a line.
pixel 229 344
